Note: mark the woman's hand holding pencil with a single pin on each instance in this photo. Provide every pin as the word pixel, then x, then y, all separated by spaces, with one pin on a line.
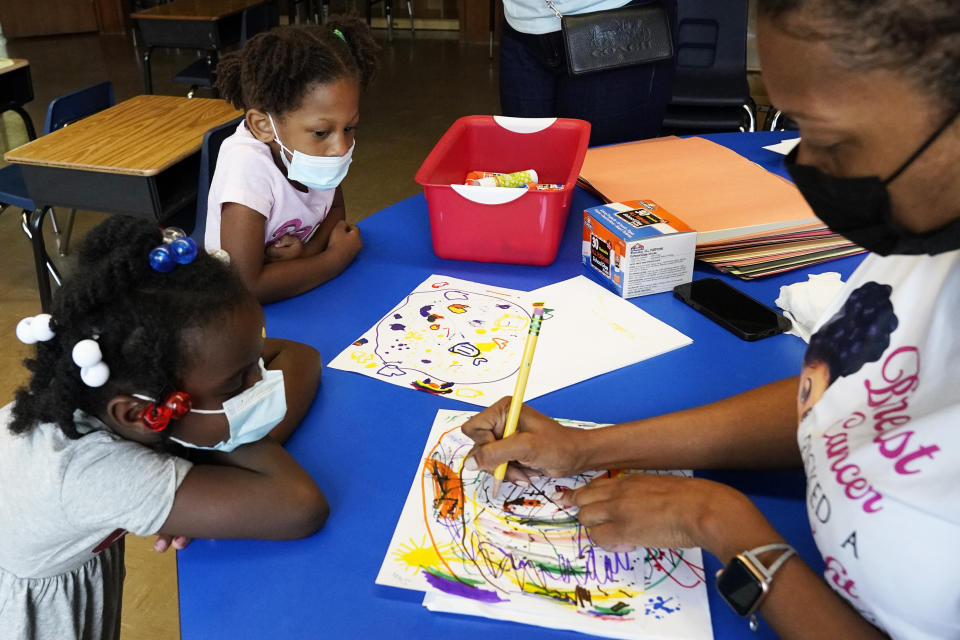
pixel 540 446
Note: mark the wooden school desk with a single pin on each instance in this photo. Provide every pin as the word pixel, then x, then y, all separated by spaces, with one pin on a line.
pixel 16 90
pixel 204 25
pixel 139 157
pixel 363 439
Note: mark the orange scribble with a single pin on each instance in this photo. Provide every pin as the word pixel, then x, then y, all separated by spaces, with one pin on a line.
pixel 447 490
pixel 423 505
pixel 508 505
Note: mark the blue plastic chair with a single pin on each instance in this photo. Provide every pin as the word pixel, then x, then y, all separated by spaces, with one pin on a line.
pixel 201 72
pixel 209 151
pixel 61 112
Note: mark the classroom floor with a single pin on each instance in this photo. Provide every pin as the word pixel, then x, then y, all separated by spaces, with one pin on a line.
pixel 424 84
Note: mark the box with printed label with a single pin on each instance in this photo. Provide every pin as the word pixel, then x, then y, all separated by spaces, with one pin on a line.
pixel 636 248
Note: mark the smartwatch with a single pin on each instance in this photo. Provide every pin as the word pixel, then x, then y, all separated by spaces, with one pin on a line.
pixel 744 582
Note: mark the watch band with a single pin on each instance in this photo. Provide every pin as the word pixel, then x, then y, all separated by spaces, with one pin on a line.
pixel 768 572
pixel 754 569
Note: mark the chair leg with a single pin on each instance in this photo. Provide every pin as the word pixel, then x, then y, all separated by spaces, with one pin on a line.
pixel 63 240
pixel 752 118
pixel 388 6
pixel 774 120
pixel 147 72
pixel 32 224
pixel 53 222
pixel 413 32
pixel 493 22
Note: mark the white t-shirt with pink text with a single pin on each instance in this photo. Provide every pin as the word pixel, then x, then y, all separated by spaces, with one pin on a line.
pixel 881 447
pixel 246 174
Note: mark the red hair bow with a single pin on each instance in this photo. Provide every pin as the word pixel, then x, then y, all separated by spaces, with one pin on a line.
pixel 157 417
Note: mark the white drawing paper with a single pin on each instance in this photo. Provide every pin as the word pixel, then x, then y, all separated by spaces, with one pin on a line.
pixel 520 556
pixel 592 331
pixel 464 340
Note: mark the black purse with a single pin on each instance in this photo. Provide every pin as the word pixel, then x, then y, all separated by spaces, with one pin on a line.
pixel 624 37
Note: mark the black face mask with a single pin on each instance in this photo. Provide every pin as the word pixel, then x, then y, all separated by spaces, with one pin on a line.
pixel 859 208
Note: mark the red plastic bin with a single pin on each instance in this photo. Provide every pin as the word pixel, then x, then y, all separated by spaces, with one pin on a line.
pixel 495 224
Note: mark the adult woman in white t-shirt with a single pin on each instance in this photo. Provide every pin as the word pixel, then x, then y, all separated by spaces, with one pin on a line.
pixel 874 417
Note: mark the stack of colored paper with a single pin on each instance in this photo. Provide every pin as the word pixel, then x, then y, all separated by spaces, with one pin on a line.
pixel 749 222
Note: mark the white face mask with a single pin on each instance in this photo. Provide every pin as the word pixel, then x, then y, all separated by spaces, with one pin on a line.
pixel 314 172
pixel 251 414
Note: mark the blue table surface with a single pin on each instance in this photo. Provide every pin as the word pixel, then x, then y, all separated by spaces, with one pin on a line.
pixel 362 440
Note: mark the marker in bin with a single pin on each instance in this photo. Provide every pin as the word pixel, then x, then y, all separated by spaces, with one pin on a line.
pixel 517 179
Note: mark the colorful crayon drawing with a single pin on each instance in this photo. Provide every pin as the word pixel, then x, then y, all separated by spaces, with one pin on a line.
pixel 464 340
pixel 520 556
pixel 449 337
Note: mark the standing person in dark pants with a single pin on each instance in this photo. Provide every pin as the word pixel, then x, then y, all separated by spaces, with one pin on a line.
pixel 621 104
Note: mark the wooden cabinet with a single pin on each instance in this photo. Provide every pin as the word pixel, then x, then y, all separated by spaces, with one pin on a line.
pixel 46 17
pixel 21 19
pixel 475 18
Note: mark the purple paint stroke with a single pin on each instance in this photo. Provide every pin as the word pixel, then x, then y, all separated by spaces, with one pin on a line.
pixel 456 588
pixel 482 554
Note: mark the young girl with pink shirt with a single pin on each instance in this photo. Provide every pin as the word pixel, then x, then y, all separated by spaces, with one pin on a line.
pixel 275 202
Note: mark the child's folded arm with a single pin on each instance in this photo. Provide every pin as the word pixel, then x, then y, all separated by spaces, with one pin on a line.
pixel 321 237
pixel 255 491
pixel 270 281
pixel 301 366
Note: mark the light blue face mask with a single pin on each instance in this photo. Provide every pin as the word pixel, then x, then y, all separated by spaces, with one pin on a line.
pixel 314 172
pixel 252 413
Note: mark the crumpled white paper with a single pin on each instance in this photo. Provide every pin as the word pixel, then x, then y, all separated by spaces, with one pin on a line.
pixel 805 302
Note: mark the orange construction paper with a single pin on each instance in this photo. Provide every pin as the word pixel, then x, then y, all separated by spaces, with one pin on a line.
pixel 716 191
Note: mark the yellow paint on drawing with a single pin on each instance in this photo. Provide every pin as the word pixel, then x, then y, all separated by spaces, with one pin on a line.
pixel 511 321
pixel 415 556
pixel 362 358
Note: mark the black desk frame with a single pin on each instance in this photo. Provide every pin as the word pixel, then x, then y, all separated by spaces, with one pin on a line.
pixel 16 90
pixel 158 197
pixel 209 36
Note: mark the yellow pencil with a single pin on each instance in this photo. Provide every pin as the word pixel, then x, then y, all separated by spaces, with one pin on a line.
pixel 516 402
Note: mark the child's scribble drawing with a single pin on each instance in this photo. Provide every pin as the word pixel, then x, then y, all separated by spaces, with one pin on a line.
pixel 464 340
pixel 448 337
pixel 521 556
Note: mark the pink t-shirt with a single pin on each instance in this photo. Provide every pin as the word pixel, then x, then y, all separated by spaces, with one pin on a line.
pixel 246 174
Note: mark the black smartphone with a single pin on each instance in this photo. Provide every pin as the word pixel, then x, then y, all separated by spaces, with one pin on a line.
pixel 732 309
